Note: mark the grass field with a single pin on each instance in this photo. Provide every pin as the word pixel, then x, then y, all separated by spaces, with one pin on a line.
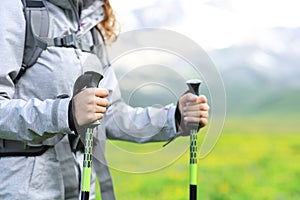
pixel 255 158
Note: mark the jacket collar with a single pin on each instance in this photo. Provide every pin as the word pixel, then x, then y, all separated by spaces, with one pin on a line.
pixel 66 4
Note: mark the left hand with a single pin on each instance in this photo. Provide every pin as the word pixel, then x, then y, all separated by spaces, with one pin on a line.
pixel 193 108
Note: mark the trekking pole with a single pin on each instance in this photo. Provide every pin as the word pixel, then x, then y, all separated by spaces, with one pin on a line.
pixel 193 129
pixel 90 80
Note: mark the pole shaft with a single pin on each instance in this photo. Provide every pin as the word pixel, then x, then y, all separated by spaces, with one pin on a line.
pixel 89 79
pixel 193 127
pixel 193 164
pixel 87 165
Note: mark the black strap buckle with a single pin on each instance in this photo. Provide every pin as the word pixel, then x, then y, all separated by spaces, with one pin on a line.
pixel 35 4
pixel 21 72
pixel 66 41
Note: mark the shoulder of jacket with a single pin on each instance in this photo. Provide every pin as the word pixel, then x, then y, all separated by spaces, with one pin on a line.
pixel 11 9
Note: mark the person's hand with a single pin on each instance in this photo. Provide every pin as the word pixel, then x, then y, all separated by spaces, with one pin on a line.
pixel 193 108
pixel 89 105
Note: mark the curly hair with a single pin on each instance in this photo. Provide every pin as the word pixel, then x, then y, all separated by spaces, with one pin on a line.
pixel 109 25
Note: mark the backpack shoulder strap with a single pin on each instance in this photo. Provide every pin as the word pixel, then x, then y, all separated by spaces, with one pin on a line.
pixel 37 21
pixel 100 47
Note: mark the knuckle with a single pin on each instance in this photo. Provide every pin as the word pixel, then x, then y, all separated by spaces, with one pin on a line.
pixel 203 121
pixel 106 93
pixel 104 102
pixel 202 98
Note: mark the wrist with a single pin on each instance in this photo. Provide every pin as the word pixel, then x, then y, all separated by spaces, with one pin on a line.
pixel 71 120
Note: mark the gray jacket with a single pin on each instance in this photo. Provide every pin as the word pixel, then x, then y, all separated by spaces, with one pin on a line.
pixel 30 110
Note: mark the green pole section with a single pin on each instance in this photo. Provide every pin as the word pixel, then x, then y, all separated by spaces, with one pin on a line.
pixel 193 157
pixel 87 165
pixel 193 164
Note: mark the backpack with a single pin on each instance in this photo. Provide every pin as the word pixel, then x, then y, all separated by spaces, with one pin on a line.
pixel 36 41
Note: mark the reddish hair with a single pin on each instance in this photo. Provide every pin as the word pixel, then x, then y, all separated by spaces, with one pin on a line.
pixel 109 25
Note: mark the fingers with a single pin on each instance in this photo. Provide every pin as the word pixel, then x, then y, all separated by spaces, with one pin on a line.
pixel 196 116
pixel 98 101
pixel 90 105
pixel 194 99
pixel 202 121
pixel 198 113
pixel 100 92
pixel 99 109
pixel 194 108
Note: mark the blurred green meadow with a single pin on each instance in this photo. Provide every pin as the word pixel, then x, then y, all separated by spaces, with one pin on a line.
pixel 254 158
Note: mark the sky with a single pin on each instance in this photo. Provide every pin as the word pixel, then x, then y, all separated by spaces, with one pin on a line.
pixel 213 24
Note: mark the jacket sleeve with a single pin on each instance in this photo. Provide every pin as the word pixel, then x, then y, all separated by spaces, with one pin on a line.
pixel 31 119
pixel 140 125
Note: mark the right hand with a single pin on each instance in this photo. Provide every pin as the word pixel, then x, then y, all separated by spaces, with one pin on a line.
pixel 90 105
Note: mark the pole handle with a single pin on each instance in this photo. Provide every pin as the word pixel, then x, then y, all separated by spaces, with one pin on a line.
pixel 89 79
pixel 193 86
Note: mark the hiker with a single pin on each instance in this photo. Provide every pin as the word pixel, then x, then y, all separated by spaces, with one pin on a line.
pixel 44 45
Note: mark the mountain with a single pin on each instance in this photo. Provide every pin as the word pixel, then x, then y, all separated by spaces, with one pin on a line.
pixel 262 75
